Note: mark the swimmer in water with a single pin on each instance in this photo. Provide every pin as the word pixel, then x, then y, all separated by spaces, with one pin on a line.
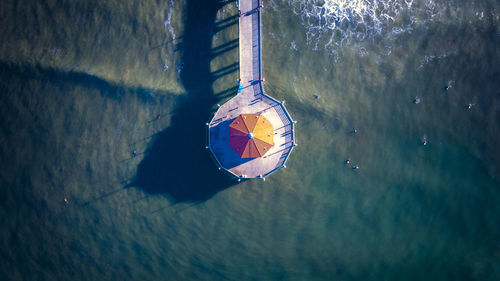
pixel 448 85
pixel 134 153
pixel 355 167
pixel 416 100
pixel 469 106
pixel 424 140
pixel 354 131
pixel 66 201
pixel 347 161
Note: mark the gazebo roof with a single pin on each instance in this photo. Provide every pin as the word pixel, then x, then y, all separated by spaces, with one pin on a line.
pixel 251 135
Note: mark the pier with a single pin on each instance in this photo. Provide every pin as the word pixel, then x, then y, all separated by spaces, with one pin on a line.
pixel 251 99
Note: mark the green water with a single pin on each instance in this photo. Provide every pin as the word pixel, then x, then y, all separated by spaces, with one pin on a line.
pixel 83 82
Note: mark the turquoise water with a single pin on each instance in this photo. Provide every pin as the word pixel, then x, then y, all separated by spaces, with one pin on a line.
pixel 82 84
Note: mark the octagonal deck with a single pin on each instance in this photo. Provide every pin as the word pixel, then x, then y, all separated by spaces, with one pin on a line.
pixel 273 111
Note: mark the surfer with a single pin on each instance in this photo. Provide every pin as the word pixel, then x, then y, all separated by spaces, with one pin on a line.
pixel 448 85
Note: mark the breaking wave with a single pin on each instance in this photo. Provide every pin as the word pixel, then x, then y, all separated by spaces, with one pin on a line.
pixel 332 23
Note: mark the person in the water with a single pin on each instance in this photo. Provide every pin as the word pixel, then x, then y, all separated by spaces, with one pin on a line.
pixel 448 85
pixel 424 140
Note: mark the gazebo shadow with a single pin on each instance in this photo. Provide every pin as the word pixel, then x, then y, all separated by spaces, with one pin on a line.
pixel 177 163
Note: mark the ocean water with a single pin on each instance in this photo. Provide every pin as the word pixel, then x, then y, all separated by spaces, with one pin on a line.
pixel 83 84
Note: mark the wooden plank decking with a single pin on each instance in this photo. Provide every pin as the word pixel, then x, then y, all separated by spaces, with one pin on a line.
pixel 251 99
pixel 249 34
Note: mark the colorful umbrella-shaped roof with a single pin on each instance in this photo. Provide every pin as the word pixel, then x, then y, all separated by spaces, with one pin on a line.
pixel 251 135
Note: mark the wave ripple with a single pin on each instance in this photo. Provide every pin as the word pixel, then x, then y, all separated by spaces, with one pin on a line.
pixel 332 23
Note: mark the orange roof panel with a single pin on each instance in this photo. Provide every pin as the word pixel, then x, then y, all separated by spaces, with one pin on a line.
pixel 264 130
pixel 239 124
pixel 250 120
pixel 237 133
pixel 262 146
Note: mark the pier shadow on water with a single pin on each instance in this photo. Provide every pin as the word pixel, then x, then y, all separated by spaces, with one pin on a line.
pixel 177 163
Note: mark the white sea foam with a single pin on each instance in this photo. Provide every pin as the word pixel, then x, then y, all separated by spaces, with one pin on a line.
pixel 333 23
pixel 168 24
pixel 426 59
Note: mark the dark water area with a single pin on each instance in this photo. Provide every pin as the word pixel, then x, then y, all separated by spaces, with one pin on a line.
pixel 82 85
pixel 40 166
pixel 189 174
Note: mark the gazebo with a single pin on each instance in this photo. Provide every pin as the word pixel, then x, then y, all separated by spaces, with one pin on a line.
pixel 251 135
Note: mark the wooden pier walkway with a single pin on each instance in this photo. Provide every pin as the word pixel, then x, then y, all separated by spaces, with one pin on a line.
pixel 251 99
pixel 250 45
